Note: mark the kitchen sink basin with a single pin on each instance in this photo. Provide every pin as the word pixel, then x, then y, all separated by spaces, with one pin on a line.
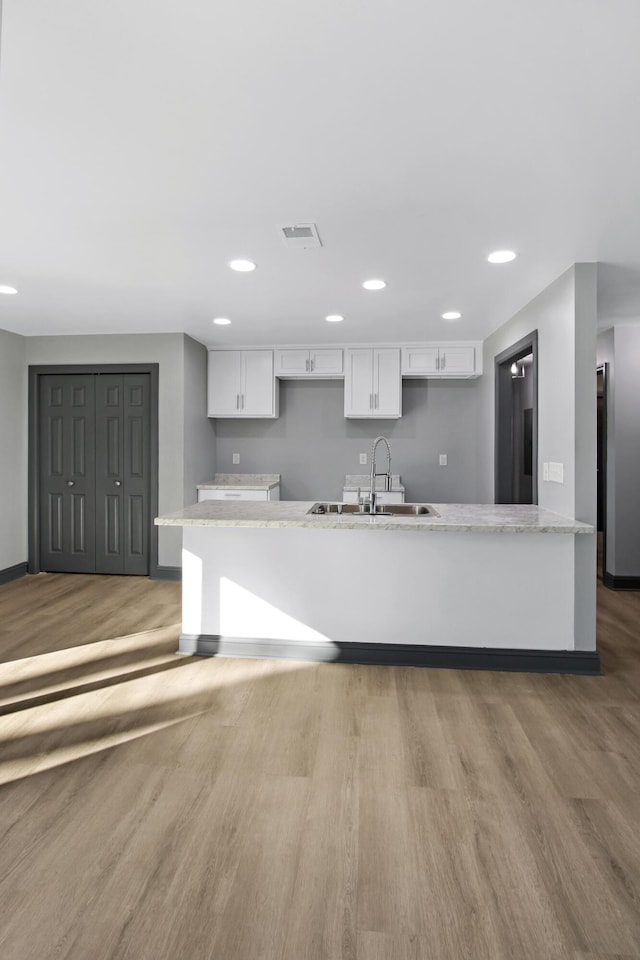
pixel 388 510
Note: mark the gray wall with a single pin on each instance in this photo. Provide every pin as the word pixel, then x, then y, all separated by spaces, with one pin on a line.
pixel 565 316
pixel 13 444
pixel 313 446
pixel 167 350
pixel 199 430
pixel 620 347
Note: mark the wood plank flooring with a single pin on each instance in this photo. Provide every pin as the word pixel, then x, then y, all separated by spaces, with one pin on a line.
pixel 154 807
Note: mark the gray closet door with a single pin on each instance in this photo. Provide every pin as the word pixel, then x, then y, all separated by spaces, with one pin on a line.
pixel 94 473
pixel 122 473
pixel 67 473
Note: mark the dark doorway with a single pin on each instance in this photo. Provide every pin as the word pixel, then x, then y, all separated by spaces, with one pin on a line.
pixel 93 470
pixel 516 439
pixel 601 460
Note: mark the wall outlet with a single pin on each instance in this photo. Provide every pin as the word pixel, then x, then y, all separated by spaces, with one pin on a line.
pixel 442 460
pixel 363 459
pixel 236 458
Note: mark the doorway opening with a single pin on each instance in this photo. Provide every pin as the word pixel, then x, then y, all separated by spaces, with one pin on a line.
pixel 516 426
pixel 93 468
pixel 601 463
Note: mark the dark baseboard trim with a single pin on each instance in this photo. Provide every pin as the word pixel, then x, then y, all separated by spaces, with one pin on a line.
pixel 620 583
pixel 13 573
pixel 395 654
pixel 166 573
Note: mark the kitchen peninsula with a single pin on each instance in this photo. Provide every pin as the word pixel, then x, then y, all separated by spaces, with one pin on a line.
pixel 467 585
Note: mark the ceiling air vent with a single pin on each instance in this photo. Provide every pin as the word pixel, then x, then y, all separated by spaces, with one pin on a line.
pixel 302 235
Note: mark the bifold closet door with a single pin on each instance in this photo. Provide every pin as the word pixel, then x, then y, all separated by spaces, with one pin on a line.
pixel 94 473
pixel 122 473
pixel 67 473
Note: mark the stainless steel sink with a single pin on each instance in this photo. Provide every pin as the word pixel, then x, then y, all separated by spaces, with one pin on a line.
pixel 389 510
pixel 410 509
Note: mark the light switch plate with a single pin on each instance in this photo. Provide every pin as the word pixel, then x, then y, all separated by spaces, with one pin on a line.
pixel 363 459
pixel 236 458
pixel 556 472
pixel 443 460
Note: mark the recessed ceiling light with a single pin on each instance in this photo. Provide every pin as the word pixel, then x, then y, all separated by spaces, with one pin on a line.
pixel 501 256
pixel 8 290
pixel 222 321
pixel 334 318
pixel 242 266
pixel 374 284
pixel 451 315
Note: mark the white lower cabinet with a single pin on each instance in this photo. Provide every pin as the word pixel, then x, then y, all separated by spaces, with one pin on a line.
pixel 241 383
pixel 373 384
pixel 382 496
pixel 273 494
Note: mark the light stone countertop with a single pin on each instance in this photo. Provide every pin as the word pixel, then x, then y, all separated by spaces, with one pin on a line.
pixel 242 481
pixel 453 517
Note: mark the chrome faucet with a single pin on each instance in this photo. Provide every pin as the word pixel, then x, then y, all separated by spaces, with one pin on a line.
pixel 387 475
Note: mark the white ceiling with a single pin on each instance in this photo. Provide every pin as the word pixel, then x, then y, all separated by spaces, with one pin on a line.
pixel 144 143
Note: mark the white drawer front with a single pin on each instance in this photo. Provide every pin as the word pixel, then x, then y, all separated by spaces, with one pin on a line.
pixel 383 496
pixel 233 495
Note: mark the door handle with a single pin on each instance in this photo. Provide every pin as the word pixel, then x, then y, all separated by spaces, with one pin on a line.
pixel 70 483
pixel 117 483
pixel 237 401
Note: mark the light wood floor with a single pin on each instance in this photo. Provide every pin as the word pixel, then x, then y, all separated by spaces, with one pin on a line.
pixel 160 808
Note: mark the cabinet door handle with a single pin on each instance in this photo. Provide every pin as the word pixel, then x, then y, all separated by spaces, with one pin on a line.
pixel 117 483
pixel 444 361
pixel 312 364
pixel 237 401
pixel 70 483
pixel 370 401
pixel 377 400
pixel 306 365
pixel 242 401
pixel 233 494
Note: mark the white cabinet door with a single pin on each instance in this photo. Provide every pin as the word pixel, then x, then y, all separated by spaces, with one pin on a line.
pixel 224 389
pixel 372 384
pixel 308 363
pixel 387 383
pixel 241 383
pixel 417 361
pixel 292 363
pixel 258 384
pixel 325 362
pixel 457 360
pixel 358 383
pixel 442 360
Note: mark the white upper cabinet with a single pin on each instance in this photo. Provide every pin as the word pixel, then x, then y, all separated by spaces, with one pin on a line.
pixel 416 361
pixel 241 383
pixel 372 384
pixel 309 363
pixel 459 360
